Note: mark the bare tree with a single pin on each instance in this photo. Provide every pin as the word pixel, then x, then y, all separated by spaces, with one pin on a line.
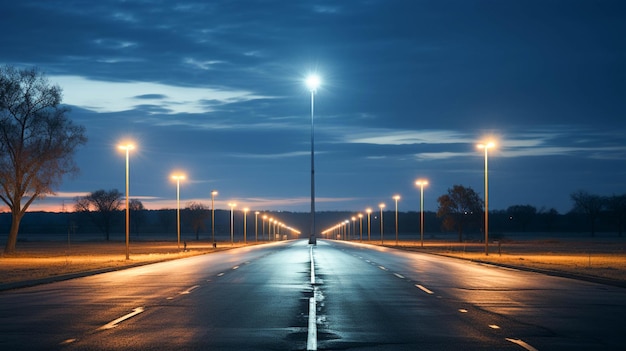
pixel 37 142
pixel 549 217
pixel 522 214
pixel 101 206
pixel 460 207
pixel 589 204
pixel 616 206
pixel 198 214
pixel 137 214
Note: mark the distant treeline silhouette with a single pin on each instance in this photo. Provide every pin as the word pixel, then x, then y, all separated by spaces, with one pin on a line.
pixel 148 224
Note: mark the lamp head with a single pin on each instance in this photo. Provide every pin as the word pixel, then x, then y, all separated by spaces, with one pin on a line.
pixel 313 81
pixel 421 182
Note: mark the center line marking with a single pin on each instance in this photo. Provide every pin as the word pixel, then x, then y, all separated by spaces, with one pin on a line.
pixel 114 323
pixel 68 341
pixel 311 342
pixel 424 289
pixel 522 344
pixel 235 267
pixel 383 268
pixel 399 275
pixel 189 290
pixel 312 265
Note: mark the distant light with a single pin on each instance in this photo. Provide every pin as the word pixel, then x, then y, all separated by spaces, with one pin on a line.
pixel 313 82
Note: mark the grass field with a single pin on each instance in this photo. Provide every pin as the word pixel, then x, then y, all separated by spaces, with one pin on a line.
pixel 590 258
pixel 38 260
pixel 604 259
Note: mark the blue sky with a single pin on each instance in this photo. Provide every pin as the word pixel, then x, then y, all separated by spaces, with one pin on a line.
pixel 216 90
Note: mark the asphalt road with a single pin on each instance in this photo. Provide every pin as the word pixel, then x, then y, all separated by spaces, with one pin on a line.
pixel 359 297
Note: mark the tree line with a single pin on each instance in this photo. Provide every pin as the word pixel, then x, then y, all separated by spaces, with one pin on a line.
pixel 462 207
pixel 102 211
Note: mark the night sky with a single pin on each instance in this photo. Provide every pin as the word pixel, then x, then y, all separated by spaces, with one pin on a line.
pixel 215 89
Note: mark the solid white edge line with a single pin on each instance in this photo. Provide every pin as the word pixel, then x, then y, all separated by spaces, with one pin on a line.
pixel 424 289
pixel 311 342
pixel 522 344
pixel 114 323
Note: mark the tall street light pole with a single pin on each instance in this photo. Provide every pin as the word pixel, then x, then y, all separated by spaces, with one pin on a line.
pixel 313 82
pixel 353 226
pixel 178 178
pixel 263 228
pixel 256 225
pixel 213 194
pixel 232 223
pixel 245 225
pixel 127 148
pixel 269 228
pixel 369 212
pixel 382 205
pixel 421 183
pixel 486 147
pixel 396 197
pixel 361 226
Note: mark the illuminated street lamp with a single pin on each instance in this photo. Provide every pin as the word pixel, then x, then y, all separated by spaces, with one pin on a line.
pixel 313 82
pixel 256 225
pixel 232 222
pixel 421 183
pixel 361 226
pixel 369 212
pixel 486 147
pixel 127 148
pixel 396 197
pixel 213 195
pixel 245 216
pixel 381 205
pixel 178 178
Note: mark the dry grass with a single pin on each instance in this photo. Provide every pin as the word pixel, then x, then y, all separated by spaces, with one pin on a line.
pixel 38 260
pixel 603 259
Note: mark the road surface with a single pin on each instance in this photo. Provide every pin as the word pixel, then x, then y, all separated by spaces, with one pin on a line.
pixel 332 296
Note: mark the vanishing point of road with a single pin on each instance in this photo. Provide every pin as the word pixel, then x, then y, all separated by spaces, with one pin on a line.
pixel 332 296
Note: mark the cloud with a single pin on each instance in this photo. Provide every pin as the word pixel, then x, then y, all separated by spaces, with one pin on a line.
pixel 67 195
pixel 108 96
pixel 406 137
